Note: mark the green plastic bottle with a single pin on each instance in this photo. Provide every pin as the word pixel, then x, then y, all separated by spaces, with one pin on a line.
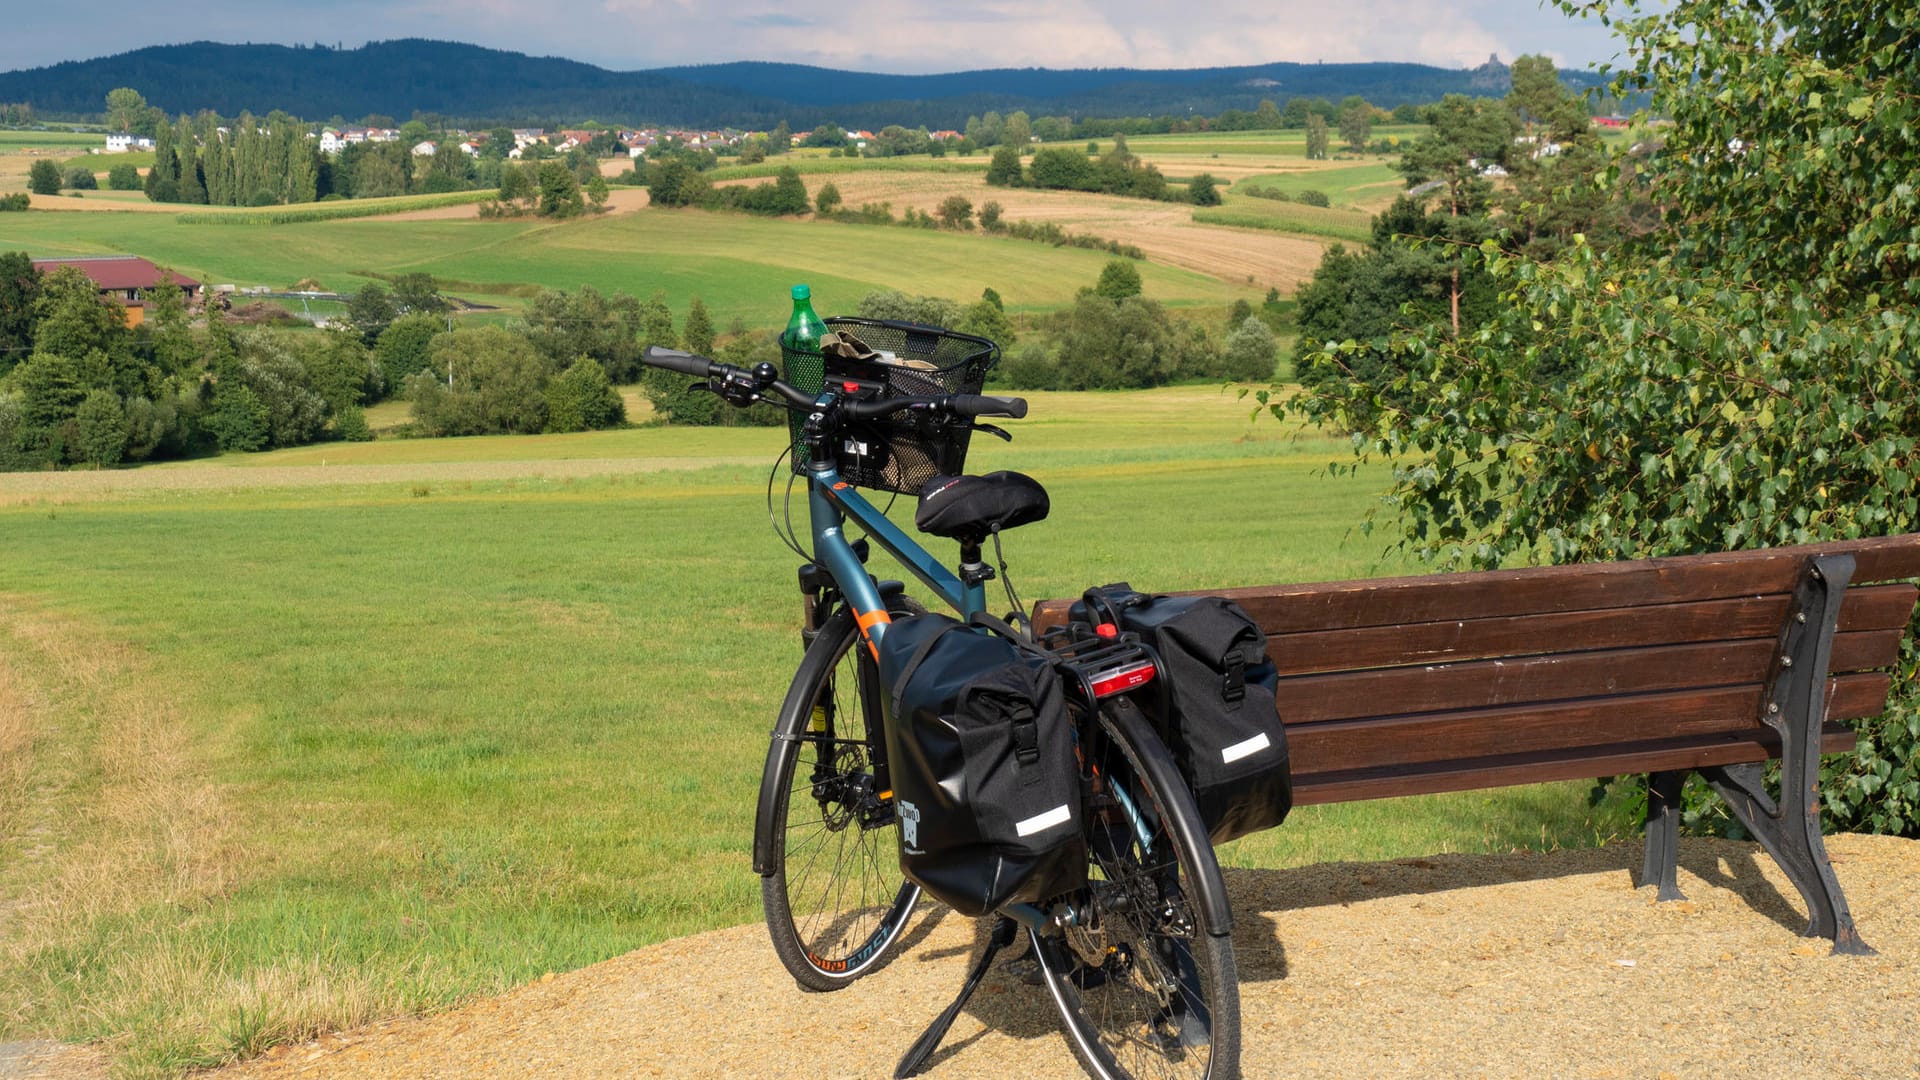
pixel 804 328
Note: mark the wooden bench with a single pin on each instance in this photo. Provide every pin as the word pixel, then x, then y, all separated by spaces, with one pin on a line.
pixel 1707 663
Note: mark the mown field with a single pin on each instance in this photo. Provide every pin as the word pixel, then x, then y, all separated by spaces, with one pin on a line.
pixel 285 753
pixel 740 266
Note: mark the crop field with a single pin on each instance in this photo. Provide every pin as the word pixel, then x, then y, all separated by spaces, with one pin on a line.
pixel 336 733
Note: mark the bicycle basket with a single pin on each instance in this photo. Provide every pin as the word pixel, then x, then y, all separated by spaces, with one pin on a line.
pixel 903 451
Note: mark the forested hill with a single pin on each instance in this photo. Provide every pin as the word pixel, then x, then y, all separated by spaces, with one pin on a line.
pixel 473 84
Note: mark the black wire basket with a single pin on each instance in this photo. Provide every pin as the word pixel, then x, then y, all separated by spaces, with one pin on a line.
pixel 903 451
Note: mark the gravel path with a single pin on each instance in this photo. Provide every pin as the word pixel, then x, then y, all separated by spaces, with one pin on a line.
pixel 1503 965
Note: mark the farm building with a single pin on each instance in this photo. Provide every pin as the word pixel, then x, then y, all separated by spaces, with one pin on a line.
pixel 123 279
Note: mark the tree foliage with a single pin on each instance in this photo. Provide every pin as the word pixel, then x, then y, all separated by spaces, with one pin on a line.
pixel 1744 374
pixel 43 178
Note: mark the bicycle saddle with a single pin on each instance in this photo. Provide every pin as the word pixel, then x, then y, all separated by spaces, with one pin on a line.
pixel 967 508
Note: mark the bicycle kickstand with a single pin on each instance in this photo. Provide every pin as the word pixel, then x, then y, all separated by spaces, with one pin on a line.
pixel 929 1041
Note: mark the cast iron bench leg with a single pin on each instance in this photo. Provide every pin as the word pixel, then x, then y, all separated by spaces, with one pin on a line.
pixel 1663 833
pixel 1796 704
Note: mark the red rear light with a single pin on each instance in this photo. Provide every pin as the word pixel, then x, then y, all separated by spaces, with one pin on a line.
pixel 1122 679
pixel 1107 630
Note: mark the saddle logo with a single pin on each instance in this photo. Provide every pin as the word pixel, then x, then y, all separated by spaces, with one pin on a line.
pixel 909 825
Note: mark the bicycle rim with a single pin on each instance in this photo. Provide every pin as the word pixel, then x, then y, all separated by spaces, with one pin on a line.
pixel 835 902
pixel 1145 987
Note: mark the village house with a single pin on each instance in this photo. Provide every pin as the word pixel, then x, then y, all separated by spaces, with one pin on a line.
pixel 123 279
pixel 425 149
pixel 331 142
pixel 121 142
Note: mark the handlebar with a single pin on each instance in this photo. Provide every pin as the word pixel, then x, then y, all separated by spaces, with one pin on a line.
pixel 684 362
pixel 968 406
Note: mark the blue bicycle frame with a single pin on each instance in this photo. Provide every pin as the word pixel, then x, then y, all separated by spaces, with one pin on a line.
pixel 831 503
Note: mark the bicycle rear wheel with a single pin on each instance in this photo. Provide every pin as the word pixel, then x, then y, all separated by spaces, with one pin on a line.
pixel 1144 979
pixel 834 897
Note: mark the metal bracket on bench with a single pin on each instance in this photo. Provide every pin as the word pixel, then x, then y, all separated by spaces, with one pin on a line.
pixel 1795 706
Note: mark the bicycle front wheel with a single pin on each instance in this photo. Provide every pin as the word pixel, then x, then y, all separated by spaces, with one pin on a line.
pixel 835 900
pixel 1144 979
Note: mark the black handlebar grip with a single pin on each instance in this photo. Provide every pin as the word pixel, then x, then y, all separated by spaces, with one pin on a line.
pixel 674 360
pixel 978 405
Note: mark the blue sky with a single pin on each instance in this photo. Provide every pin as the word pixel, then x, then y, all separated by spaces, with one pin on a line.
pixel 908 36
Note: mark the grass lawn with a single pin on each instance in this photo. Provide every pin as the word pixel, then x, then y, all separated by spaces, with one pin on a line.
pixel 741 266
pixel 278 759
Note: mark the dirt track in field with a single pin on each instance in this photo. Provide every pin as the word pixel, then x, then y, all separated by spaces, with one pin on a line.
pixel 1469 965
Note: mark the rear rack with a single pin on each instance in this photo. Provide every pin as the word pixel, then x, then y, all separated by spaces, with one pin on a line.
pixel 1100 667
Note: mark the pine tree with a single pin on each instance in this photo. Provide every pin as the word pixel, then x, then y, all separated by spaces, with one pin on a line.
pixel 699 328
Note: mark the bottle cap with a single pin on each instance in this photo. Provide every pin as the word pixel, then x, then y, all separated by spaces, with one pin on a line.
pixel 801 292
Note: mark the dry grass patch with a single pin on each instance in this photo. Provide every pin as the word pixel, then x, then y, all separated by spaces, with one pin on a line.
pixel 1165 231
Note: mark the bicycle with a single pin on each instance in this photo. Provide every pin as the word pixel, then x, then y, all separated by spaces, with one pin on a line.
pixel 1138 961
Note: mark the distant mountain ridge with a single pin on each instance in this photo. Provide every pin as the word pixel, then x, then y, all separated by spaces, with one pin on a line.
pixel 473 84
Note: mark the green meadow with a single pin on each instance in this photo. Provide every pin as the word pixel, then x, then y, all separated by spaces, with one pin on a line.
pixel 288 755
pixel 741 266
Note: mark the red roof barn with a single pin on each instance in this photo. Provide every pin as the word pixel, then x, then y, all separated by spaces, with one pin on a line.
pixel 123 278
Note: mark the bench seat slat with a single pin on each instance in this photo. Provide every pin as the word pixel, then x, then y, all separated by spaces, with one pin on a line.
pixel 1467 775
pixel 1567 729
pixel 1877 607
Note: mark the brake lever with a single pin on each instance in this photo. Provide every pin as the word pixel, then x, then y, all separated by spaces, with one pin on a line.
pixel 1000 433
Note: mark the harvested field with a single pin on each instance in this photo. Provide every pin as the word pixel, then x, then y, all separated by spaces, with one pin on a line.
pixel 1462 965
pixel 1165 231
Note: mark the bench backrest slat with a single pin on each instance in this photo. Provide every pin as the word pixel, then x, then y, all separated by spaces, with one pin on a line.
pixel 1876 607
pixel 1541 589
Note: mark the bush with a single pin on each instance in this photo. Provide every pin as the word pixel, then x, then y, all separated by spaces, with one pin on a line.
pixel 1251 352
pixel 405 347
pixel 581 399
pixel 44 178
pixel 238 420
pixel 19 200
pixel 1313 197
pixel 124 177
pixel 350 425
pixel 81 178
pixel 828 199
pixel 1029 368
pixel 101 429
pixel 499 385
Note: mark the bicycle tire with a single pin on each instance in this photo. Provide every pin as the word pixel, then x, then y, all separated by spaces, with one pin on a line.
pixel 1145 983
pixel 835 900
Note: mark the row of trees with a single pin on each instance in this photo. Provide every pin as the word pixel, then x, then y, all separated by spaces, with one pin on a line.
pixel 1114 337
pixel 80 387
pixel 1730 359
pixel 1117 172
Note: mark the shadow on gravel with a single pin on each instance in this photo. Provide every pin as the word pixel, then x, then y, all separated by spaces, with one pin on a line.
pixel 1720 864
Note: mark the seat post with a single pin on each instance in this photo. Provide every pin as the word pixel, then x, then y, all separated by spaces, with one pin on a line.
pixel 973 567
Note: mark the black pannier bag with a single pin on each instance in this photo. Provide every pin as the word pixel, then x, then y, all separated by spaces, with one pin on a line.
pixel 981 759
pixel 1222 726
